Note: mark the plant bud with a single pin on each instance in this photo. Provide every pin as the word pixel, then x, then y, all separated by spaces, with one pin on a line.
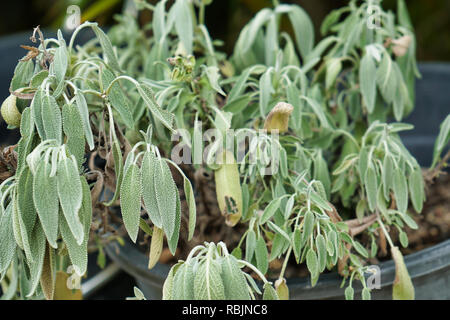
pixel 401 45
pixel 10 112
pixel 278 118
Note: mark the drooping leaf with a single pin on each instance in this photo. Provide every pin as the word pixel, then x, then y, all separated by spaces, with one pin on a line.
pixel 403 288
pixel 155 246
pixel 367 81
pixel 371 185
pixel 262 256
pixel 190 199
pixel 400 190
pixel 38 245
pixel 269 292
pixel 148 172
pixel 208 284
pixel 51 118
pixel 118 98
pixel 106 47
pixel 84 113
pixel 183 286
pixel 8 247
pixel 416 189
pixel 184 25
pixel 45 196
pixel 282 289
pixel 74 132
pixel 70 194
pixel 228 188
pixel 26 213
pixel 78 253
pixel 303 29
pixel 47 279
pixel 233 279
pixel 166 195
pixel 130 200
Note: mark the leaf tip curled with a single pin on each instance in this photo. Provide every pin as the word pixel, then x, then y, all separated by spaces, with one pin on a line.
pixel 278 117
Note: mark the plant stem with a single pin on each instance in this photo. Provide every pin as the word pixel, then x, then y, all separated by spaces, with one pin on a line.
pixel 201 14
pixel 286 259
pixel 254 269
pixel 384 230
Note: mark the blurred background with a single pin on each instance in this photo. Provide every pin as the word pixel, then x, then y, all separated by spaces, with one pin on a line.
pixel 225 18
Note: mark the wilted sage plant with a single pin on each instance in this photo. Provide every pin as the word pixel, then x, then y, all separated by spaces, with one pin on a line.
pixel 326 114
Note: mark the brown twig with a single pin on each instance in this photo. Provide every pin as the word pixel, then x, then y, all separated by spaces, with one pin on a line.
pixel 47 57
pixel 431 174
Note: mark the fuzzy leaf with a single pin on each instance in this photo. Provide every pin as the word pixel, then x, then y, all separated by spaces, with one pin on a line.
pixel 8 243
pixel 269 292
pixel 84 113
pixel 130 200
pixel 184 25
pixel 228 188
pixel 233 280
pixel 321 252
pixel 162 115
pixel 38 245
pixel 26 211
pixel 371 185
pixel 62 292
pixel 51 118
pixel 270 210
pixel 262 256
pixel 74 132
pixel 190 199
pixel 106 47
pixel 166 193
pixel 36 112
pixel 148 172
pixel 183 283
pixel 70 193
pixel 118 98
pixel 416 189
pixel 45 196
pixel 367 81
pixel 78 252
pixel 312 263
pixel 303 29
pixel 172 242
pixel 400 190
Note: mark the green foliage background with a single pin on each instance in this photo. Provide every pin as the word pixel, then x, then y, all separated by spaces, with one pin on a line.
pixel 225 18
